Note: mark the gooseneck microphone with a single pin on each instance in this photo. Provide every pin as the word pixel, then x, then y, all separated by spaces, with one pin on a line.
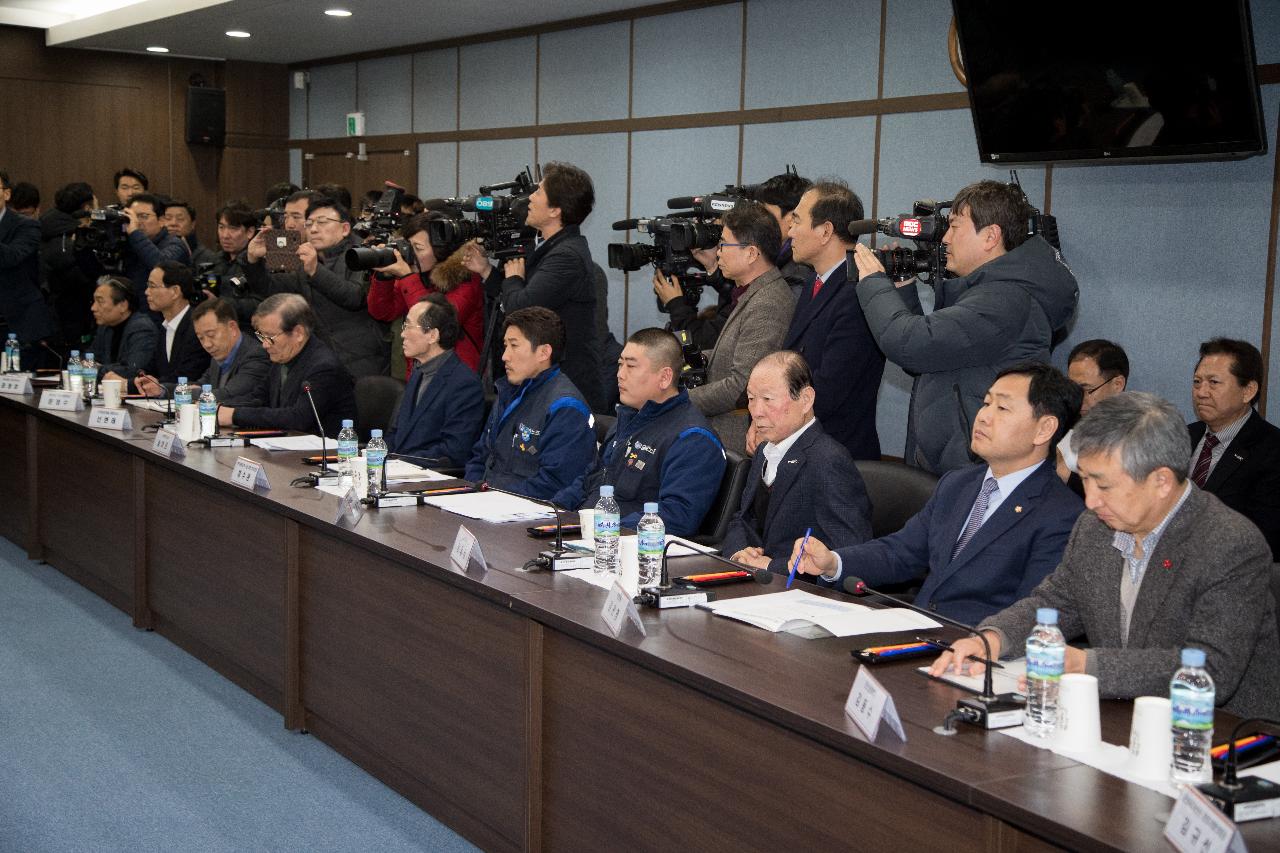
pixel 988 710
pixel 559 558
pixel 169 417
pixel 1250 798
pixel 664 595
pixel 61 361
pixel 324 477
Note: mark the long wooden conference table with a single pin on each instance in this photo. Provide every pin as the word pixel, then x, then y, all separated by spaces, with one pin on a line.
pixel 500 703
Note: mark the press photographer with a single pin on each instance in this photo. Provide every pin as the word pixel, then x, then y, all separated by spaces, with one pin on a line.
pixel 147 241
pixel 1011 293
pixel 398 286
pixel 557 274
pixel 226 274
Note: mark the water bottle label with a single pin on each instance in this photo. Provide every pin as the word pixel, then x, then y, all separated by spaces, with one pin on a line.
pixel 1046 662
pixel 651 542
pixel 1192 709
pixel 607 525
pixel 348 449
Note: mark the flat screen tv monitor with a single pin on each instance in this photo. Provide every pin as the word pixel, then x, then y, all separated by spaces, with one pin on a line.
pixel 1120 80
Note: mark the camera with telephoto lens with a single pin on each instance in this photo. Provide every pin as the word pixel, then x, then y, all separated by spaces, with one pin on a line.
pixel 218 285
pixel 103 235
pixel 498 222
pixel 380 229
pixel 675 238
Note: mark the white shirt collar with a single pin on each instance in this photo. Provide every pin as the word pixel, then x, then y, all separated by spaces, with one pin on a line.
pixel 177 318
pixel 774 453
pixel 831 271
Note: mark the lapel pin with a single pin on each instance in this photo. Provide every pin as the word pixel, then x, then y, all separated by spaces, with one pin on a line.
pixel 1017 509
pixel 1168 564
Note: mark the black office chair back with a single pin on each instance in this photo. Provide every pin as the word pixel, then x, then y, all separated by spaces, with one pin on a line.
pixel 604 423
pixel 377 400
pixel 1275 591
pixel 897 492
pixel 715 525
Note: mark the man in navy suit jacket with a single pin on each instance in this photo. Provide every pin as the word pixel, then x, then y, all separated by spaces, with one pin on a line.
pixel 828 328
pixel 443 405
pixel 21 302
pixel 178 352
pixel 990 532
pixel 801 478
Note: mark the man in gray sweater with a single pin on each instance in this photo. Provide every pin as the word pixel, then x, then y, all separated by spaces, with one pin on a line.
pixel 1154 566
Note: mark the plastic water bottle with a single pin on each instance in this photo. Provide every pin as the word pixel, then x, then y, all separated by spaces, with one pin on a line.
pixel 75 379
pixel 11 357
pixel 1046 658
pixel 15 359
pixel 89 374
pixel 208 412
pixel 181 393
pixel 376 452
pixel 348 447
pixel 651 535
pixel 606 536
pixel 1191 695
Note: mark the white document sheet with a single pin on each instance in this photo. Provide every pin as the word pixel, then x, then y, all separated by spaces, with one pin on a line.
pixel 151 405
pixel 798 611
pixel 495 507
pixel 1004 680
pixel 401 471
pixel 292 442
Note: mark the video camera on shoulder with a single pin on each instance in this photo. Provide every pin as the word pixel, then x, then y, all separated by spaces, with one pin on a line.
pixel 383 220
pixel 498 222
pixel 103 235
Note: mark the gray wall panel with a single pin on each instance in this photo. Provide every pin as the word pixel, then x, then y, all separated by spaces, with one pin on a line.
pixel 498 83
pixel 492 161
pixel 435 91
pixel 297 111
pixel 688 62
pixel 843 34
pixel 915 49
pixel 332 96
pixel 583 76
pixel 437 170
pixel 385 99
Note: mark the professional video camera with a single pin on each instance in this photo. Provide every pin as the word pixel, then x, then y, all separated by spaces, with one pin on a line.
pixel 694 372
pixel 382 222
pixel 104 236
pixel 498 224
pixel 926 225
pixel 273 211
pixel 218 285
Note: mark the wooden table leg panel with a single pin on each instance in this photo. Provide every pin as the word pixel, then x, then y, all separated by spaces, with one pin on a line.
pixel 427 683
pixel 13 475
pixel 86 526
pixel 632 761
pixel 216 579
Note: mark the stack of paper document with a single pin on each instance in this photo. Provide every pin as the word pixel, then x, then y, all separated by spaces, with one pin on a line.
pixel 1004 679
pixel 800 612
pixel 291 442
pixel 399 471
pixel 152 405
pixel 496 507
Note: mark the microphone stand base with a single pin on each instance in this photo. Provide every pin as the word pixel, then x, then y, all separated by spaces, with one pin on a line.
pixel 1252 799
pixel 225 441
pixel 994 712
pixel 563 561
pixel 670 597
pixel 324 478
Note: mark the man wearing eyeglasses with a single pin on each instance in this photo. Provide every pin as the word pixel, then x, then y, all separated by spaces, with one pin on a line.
pixel 148 242
pixel 238 366
pixel 286 328
pixel 336 294
pixel 170 288
pixel 1101 369
pixel 750 240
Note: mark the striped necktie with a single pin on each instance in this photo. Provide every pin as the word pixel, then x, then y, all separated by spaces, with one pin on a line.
pixel 975 517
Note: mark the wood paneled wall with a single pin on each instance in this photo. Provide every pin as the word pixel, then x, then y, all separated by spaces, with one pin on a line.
pixel 79 115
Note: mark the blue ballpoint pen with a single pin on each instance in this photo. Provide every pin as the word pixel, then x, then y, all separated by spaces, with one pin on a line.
pixel 799 557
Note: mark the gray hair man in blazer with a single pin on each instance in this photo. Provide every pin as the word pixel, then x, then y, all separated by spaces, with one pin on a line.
pixel 749 242
pixel 1153 566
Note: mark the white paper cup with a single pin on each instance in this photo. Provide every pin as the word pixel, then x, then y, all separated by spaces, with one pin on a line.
pixel 189 422
pixel 629 560
pixel 66 380
pixel 112 393
pixel 587 520
pixel 1079 729
pixel 360 475
pixel 1151 738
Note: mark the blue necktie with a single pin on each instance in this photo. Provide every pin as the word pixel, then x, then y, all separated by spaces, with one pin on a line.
pixel 975 517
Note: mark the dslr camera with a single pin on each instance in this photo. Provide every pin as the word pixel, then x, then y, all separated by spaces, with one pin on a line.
pixel 218 285
pixel 380 227
pixel 497 223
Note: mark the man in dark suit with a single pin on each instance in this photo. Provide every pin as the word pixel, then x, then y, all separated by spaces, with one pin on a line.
pixel 442 409
pixel 21 302
pixel 126 339
pixel 1154 566
pixel 828 328
pixel 286 329
pixel 801 478
pixel 992 531
pixel 1235 453
pixel 558 275
pixel 170 287
pixel 238 365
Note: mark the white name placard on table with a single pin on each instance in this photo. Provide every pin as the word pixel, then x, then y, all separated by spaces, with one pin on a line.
pixel 53 400
pixel 167 444
pixel 248 474
pixel 104 418
pixel 466 548
pixel 618 607
pixel 869 703
pixel 16 383
pixel 1196 826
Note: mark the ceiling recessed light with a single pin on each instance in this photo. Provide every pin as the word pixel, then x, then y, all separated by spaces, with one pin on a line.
pixel 155 48
pixel 338 13
pixel 238 34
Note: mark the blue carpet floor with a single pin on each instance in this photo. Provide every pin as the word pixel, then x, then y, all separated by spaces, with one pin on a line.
pixel 114 739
